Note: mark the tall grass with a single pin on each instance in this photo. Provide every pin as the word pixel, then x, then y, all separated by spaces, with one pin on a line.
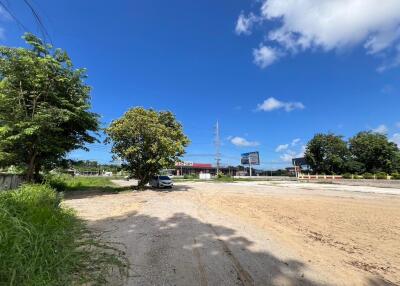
pixel 69 183
pixel 42 243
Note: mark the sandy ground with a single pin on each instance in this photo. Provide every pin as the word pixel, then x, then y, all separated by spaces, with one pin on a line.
pixel 253 233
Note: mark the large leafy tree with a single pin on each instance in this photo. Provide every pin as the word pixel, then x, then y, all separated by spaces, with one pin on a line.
pixel 375 152
pixel 147 141
pixel 327 153
pixel 44 106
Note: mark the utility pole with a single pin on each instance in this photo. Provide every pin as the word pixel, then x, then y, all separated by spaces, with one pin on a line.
pixel 217 143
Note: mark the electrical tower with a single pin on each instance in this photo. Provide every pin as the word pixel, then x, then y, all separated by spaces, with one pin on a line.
pixel 217 143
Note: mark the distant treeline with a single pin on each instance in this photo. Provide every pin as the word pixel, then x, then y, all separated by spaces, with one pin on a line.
pixel 366 152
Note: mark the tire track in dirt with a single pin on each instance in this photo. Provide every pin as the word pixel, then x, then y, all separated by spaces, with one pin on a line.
pixel 200 264
pixel 244 276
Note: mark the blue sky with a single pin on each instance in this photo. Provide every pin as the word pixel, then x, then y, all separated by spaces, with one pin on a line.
pixel 273 73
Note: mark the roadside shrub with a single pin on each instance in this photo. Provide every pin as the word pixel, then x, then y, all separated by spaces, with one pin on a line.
pixel 42 243
pixel 368 176
pixel 395 176
pixel 190 177
pixel 57 181
pixel 346 176
pixel 65 183
pixel 381 176
pixel 224 178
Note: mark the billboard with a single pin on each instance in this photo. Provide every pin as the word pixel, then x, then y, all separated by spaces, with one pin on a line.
pixel 299 161
pixel 251 157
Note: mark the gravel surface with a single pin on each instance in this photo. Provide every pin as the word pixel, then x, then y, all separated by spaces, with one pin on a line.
pixel 252 233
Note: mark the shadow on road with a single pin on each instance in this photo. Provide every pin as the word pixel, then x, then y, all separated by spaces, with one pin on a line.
pixel 106 191
pixel 182 250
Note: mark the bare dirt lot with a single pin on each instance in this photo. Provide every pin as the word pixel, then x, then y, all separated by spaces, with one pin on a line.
pixel 253 233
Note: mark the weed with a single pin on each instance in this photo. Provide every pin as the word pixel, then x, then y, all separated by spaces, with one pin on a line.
pixel 42 243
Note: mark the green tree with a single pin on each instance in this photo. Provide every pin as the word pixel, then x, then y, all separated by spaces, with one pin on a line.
pixel 327 153
pixel 147 141
pixel 44 106
pixel 375 152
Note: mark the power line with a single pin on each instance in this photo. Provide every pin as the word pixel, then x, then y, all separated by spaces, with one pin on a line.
pixel 4 4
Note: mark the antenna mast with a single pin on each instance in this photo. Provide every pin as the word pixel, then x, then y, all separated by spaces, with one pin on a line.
pixel 217 143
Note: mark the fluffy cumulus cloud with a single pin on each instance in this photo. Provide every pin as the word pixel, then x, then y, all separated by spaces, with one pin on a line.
pixel 245 23
pixel 265 56
pixel 290 151
pixel 334 25
pixel 381 129
pixel 282 147
pixel 272 103
pixel 242 142
pixel 287 157
pixel 396 139
pixel 295 141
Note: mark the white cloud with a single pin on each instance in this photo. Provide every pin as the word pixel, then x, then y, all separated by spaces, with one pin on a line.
pixel 271 104
pixel 381 129
pixel 289 154
pixel 242 142
pixel 334 25
pixel 245 23
pixel 302 151
pixel 295 141
pixel 282 147
pixel 265 56
pixel 396 139
pixel 287 157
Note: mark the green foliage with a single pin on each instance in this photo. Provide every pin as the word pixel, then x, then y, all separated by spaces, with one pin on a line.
pixel 375 152
pixel 354 167
pixel 381 175
pixel 365 152
pixel 44 106
pixel 224 178
pixel 42 243
pixel 191 177
pixel 327 153
pixel 346 176
pixel 395 176
pixel 368 176
pixel 147 141
pixel 64 182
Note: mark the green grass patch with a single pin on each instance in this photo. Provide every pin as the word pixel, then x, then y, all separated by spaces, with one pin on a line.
pixel 42 243
pixel 66 183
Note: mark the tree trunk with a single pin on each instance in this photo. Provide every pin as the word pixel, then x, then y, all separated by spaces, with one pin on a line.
pixel 141 184
pixel 143 180
pixel 31 168
pixel 37 178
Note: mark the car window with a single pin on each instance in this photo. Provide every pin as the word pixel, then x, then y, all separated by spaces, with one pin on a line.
pixel 164 178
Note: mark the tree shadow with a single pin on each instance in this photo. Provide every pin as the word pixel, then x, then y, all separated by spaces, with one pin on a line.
pixel 93 192
pixel 182 250
pixel 107 190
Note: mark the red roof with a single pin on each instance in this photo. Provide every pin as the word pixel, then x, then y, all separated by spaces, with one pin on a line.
pixel 200 165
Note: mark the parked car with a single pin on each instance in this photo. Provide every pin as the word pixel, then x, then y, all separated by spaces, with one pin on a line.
pixel 161 182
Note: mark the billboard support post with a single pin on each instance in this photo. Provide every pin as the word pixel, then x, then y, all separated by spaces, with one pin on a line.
pixel 251 158
pixel 250 167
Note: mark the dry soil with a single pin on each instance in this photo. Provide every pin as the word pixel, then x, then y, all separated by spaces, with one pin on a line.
pixel 252 233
